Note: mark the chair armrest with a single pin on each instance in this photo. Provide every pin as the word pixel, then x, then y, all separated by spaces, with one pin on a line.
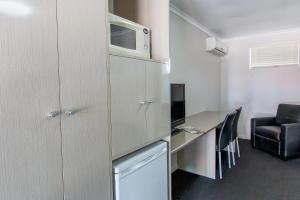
pixel 290 131
pixel 290 137
pixel 263 121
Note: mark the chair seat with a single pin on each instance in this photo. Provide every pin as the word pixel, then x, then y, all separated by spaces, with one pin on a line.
pixel 272 132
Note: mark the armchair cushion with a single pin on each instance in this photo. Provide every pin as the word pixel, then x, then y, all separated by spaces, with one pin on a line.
pixel 287 114
pixel 272 132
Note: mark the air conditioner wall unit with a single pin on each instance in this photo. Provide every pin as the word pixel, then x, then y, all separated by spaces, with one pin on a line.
pixel 216 47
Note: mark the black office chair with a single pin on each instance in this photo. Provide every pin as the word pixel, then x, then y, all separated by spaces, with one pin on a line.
pixel 224 139
pixel 234 135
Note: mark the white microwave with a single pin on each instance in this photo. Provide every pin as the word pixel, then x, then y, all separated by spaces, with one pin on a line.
pixel 128 37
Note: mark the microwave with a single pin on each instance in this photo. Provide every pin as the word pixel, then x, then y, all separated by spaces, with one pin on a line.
pixel 127 37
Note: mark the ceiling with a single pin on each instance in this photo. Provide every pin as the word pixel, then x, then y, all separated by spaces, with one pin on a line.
pixel 235 18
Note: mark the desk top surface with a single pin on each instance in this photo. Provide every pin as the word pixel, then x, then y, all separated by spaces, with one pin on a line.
pixel 204 122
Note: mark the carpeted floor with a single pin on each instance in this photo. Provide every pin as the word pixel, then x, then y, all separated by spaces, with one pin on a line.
pixel 256 176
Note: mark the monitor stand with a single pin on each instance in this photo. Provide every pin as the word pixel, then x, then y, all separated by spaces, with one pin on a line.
pixel 175 131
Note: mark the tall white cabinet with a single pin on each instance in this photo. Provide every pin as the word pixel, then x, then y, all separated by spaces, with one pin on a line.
pixel 54 141
pixel 57 96
pixel 30 142
pixel 83 89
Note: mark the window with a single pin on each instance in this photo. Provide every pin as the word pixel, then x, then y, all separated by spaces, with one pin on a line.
pixel 280 54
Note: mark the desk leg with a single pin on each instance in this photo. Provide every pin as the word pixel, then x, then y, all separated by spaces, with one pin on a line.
pixel 200 156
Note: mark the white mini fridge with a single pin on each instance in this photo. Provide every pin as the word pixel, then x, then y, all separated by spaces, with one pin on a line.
pixel 142 175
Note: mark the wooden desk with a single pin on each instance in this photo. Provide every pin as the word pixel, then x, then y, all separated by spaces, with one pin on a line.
pixel 196 153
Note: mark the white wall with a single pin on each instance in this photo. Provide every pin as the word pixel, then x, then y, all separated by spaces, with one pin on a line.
pixel 192 65
pixel 257 90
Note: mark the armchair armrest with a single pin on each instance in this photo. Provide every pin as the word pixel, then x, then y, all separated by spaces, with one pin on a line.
pixel 290 137
pixel 262 121
pixel 290 131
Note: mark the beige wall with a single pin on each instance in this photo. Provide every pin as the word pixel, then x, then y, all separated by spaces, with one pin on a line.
pixel 259 91
pixel 192 65
pixel 126 10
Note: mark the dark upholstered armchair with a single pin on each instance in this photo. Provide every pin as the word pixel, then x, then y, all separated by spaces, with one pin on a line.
pixel 279 135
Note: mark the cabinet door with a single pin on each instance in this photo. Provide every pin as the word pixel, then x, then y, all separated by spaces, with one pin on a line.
pixel 30 142
pixel 127 80
pixel 158 98
pixel 83 80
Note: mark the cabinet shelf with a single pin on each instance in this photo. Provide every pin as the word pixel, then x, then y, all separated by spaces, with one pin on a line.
pixel 124 55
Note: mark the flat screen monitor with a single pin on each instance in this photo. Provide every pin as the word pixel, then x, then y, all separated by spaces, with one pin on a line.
pixel 177 105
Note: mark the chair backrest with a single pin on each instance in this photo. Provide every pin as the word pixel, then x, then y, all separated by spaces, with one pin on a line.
pixel 288 113
pixel 235 123
pixel 225 133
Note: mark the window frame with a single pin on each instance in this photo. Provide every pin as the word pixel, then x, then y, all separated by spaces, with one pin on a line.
pixel 297 64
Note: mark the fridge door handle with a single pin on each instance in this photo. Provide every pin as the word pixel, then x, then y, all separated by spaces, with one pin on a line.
pixel 142 163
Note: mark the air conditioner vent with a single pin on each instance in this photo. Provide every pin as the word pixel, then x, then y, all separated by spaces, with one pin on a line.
pixel 216 47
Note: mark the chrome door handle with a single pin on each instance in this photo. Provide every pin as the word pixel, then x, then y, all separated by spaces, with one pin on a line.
pixel 53 114
pixel 150 101
pixel 142 103
pixel 70 112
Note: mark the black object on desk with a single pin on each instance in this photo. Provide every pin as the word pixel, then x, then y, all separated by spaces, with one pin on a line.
pixel 177 105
